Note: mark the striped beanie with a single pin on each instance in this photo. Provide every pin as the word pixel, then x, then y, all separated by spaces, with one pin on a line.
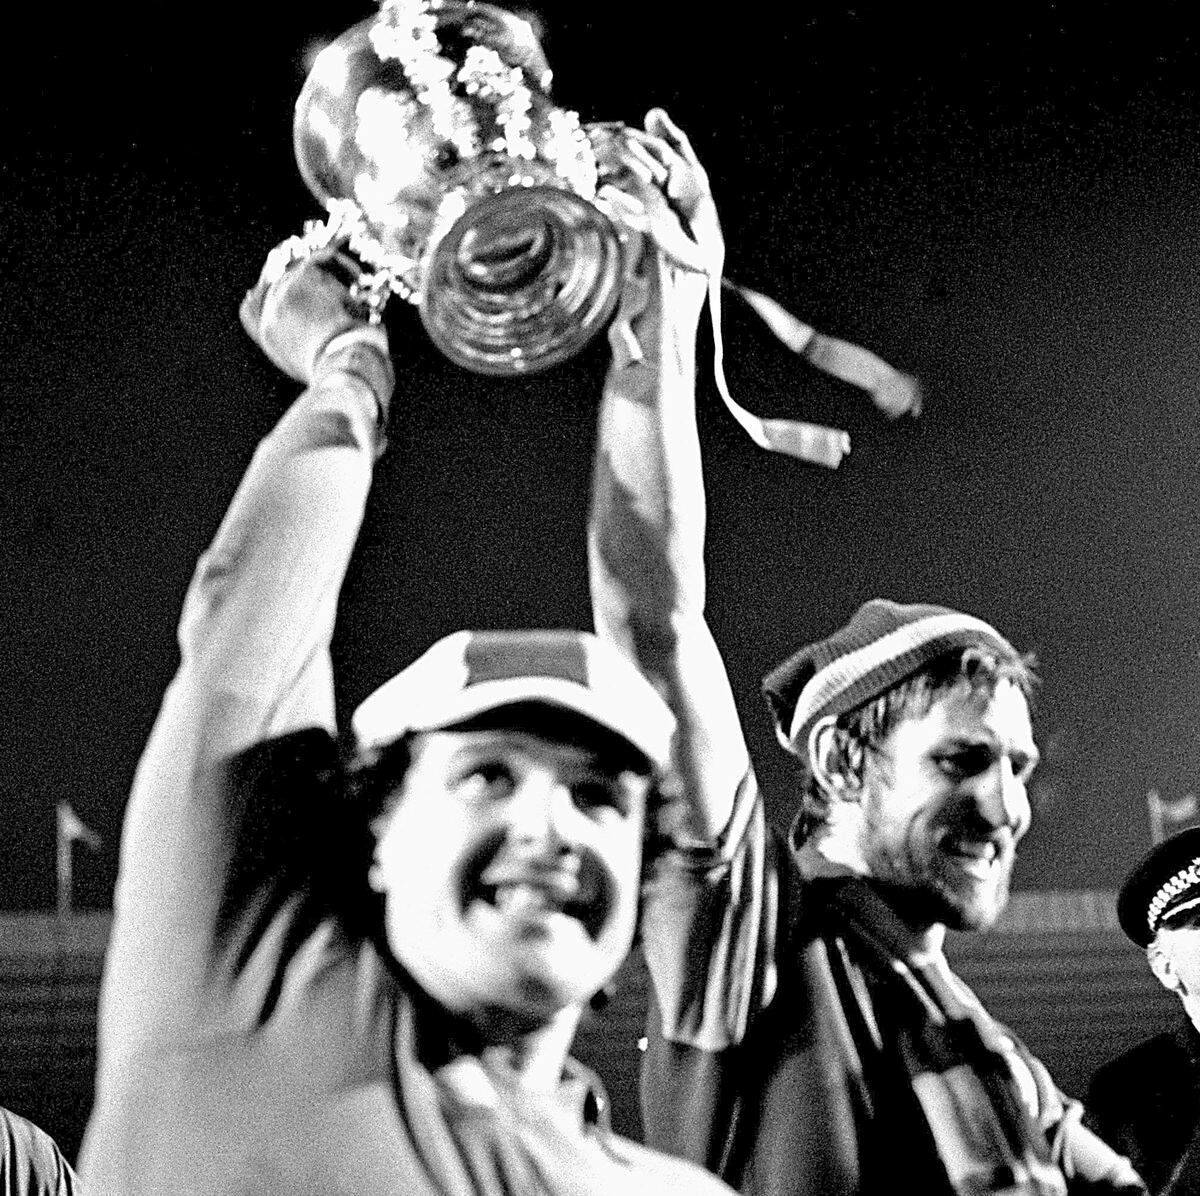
pixel 883 644
pixel 469 673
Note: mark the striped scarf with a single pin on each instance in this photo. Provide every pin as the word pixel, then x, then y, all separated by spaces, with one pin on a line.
pixel 959 1061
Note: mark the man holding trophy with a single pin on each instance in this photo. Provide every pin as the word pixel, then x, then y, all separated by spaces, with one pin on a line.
pixel 808 1035
pixel 357 967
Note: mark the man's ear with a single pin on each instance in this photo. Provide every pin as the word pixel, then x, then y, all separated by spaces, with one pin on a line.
pixel 835 760
pixel 1162 967
pixel 375 876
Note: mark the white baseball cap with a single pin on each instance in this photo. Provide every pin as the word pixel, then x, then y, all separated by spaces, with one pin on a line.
pixel 471 672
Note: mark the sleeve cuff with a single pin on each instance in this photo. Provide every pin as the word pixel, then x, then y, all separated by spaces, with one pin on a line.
pixel 723 848
pixel 362 353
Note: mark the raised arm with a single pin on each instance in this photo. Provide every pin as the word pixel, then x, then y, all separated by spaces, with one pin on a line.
pixel 646 536
pixel 254 646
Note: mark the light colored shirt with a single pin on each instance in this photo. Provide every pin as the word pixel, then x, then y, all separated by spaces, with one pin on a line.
pixel 253 1039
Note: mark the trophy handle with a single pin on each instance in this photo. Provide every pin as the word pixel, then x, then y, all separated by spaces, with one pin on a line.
pixel 345 227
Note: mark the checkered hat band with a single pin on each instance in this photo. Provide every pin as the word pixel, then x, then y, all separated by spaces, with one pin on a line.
pixel 857 676
pixel 1181 882
pixel 498 658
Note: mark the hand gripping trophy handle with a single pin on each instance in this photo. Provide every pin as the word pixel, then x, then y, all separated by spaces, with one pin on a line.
pixel 371 290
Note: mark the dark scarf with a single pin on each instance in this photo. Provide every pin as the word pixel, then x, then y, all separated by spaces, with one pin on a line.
pixel 986 1138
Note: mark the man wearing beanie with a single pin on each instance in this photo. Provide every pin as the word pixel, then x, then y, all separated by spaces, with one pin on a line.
pixel 361 973
pixel 808 1036
pixel 1146 1101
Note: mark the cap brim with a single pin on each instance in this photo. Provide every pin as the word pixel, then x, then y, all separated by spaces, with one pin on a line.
pixel 627 721
pixel 1167 859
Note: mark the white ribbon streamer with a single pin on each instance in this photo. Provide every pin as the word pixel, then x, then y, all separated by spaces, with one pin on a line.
pixel 893 392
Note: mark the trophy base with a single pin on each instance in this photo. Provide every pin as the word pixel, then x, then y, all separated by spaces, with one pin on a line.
pixel 523 280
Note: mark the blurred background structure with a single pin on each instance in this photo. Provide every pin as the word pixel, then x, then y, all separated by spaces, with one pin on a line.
pixel 1010 211
pixel 1056 969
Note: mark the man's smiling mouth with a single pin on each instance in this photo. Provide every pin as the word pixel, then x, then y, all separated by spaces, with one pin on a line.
pixel 978 858
pixel 533 891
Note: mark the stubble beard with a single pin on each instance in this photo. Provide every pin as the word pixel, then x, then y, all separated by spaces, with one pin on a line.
pixel 973 907
pixel 929 893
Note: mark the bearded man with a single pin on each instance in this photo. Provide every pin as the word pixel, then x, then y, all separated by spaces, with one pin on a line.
pixel 808 1035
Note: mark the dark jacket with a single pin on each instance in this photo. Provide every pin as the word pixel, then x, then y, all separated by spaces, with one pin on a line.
pixel 758 1065
pixel 1146 1103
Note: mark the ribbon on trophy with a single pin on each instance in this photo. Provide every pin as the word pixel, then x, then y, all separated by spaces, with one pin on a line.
pixel 893 392
pixel 429 134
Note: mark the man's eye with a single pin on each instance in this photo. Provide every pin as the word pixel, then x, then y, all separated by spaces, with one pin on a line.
pixel 487 781
pixel 964 764
pixel 600 795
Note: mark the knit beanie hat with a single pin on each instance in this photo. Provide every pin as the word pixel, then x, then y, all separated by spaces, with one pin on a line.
pixel 883 644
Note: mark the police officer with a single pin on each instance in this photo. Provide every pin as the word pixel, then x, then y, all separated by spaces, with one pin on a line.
pixel 1146 1101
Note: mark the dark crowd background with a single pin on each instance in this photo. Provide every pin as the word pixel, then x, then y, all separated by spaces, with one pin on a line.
pixel 1003 201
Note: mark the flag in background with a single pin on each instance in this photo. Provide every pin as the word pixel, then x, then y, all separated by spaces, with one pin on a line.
pixel 71 829
pixel 1169 816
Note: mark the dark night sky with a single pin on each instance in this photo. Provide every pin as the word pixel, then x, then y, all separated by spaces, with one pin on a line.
pixel 1007 207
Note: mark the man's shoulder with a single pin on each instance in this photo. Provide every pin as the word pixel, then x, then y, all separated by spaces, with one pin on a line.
pixel 30 1160
pixel 1155 1049
pixel 1159 1057
pixel 661 1172
pixel 18 1133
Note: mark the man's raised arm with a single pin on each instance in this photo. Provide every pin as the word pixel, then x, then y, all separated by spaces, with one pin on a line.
pixel 646 536
pixel 254 645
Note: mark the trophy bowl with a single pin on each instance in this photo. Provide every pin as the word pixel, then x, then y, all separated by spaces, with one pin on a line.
pixel 429 134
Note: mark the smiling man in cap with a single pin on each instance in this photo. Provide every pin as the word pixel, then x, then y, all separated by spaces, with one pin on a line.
pixel 808 1035
pixel 357 967
pixel 1146 1101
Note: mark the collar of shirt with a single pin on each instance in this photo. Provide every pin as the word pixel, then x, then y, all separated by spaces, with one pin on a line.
pixel 487 1080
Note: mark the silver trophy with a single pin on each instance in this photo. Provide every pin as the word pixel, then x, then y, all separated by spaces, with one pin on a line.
pixel 428 133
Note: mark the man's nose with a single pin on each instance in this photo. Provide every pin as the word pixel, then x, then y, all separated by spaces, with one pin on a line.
pixel 1003 799
pixel 540 808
